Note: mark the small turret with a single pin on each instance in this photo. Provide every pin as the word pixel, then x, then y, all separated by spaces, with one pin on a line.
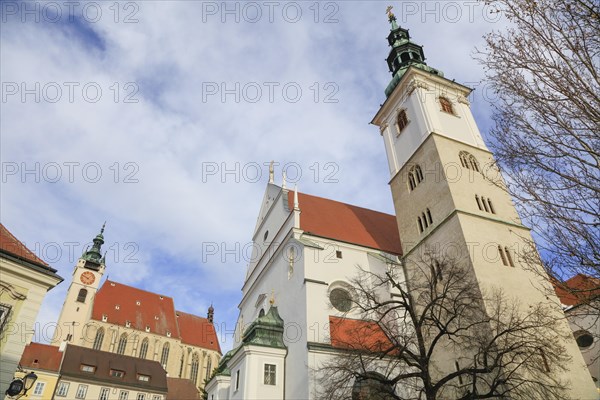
pixel 93 256
pixel 211 314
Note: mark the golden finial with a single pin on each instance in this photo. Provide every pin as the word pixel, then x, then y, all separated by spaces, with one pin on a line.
pixel 272 299
pixel 390 14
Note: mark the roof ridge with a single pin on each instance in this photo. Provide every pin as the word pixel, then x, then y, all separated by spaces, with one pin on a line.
pixel 138 289
pixel 341 202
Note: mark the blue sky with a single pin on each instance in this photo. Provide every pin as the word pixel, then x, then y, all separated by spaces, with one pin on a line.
pixel 160 117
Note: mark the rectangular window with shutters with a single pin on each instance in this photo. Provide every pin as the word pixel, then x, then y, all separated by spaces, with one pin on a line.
pixel 39 388
pixel 63 389
pixel 270 374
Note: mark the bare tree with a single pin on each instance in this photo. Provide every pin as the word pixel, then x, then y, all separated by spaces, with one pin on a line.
pixel 437 336
pixel 546 138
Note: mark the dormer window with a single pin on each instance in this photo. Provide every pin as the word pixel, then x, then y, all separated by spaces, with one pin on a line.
pixel 104 317
pixel 87 368
pixel 143 378
pixel 147 328
pixel 115 373
pixel 127 324
pixel 168 334
pixel 138 303
pixel 117 307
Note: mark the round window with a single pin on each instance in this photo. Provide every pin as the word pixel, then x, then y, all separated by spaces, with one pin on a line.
pixel 341 299
pixel 584 340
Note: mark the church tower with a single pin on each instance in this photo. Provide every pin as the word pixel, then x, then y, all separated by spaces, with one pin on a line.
pixel 77 308
pixel 445 203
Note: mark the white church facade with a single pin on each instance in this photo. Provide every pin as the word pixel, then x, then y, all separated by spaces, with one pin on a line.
pixel 297 286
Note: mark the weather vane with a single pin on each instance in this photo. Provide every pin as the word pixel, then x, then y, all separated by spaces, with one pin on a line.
pixel 389 13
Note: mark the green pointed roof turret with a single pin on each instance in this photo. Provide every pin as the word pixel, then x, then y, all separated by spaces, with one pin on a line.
pixel 404 53
pixel 94 255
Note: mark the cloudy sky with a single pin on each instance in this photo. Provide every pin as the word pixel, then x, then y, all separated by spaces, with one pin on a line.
pixel 160 117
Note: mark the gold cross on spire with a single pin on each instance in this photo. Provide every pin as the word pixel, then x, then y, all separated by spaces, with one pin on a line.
pixel 389 13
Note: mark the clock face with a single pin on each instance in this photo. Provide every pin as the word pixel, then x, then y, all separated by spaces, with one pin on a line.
pixel 87 278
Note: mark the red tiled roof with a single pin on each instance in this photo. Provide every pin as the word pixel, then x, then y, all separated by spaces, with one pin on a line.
pixel 577 289
pixel 12 245
pixel 197 331
pixel 347 223
pixel 357 335
pixel 182 389
pixel 41 356
pixel 153 310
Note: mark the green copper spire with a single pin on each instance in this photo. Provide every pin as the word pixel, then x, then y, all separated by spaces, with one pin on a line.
pixel 93 255
pixel 404 53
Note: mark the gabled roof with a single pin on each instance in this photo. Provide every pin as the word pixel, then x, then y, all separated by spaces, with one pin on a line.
pixel 121 303
pixel 141 308
pixel 41 356
pixel 182 389
pixel 355 334
pixel 577 290
pixel 197 331
pixel 104 361
pixel 347 223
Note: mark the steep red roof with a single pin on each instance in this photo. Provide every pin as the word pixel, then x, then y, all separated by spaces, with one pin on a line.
pixel 577 289
pixel 347 223
pixel 41 356
pixel 11 245
pixel 139 307
pixel 182 389
pixel 197 331
pixel 357 335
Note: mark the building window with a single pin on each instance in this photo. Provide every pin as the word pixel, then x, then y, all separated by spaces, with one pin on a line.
pixel 164 357
pixel 485 206
pixel 491 206
pixel 446 105
pixel 82 295
pixel 237 380
pixel 509 257
pixel 415 176
pixel 467 160
pixel 420 224
pixel 81 391
pixel 39 388
pixel 144 348
pixel 104 392
pixel 98 339
pixel 4 313
pixel 402 120
pixel 156 397
pixel 181 366
pixel 460 378
pixel 208 368
pixel 429 217
pixel 63 389
pixel 478 203
pixel 141 396
pixel 584 339
pixel 88 368
pixel 341 299
pixel 194 369
pixel 123 395
pixel 143 378
pixel 122 344
pixel 338 254
pixel 128 324
pixel 270 374
pixel 115 373
pixel 261 313
pixel 502 256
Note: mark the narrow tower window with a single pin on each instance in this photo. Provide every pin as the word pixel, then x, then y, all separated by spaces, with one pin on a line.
pixel 502 256
pixel 491 207
pixel 424 220
pixel 419 174
pixel 208 368
pixel 509 257
pixel 411 181
pixel 81 296
pixel 485 207
pixel 478 203
pixel 98 339
pixel 467 160
pixel 420 224
pixel 122 344
pixel 402 120
pixel 429 217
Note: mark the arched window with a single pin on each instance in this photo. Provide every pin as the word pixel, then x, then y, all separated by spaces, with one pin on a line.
pixel 415 176
pixel 164 357
pixel 509 257
pixel 405 57
pixel 194 370
pixel 485 206
pixel 412 183
pixel 425 222
pixel 418 174
pixel 402 120
pixel 429 217
pixel 181 366
pixel 82 295
pixel 420 223
pixel 208 368
pixel 502 256
pixel 491 207
pixel 446 105
pixel 98 339
pixel 468 161
pixel 122 344
pixel 478 203
pixel 144 348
